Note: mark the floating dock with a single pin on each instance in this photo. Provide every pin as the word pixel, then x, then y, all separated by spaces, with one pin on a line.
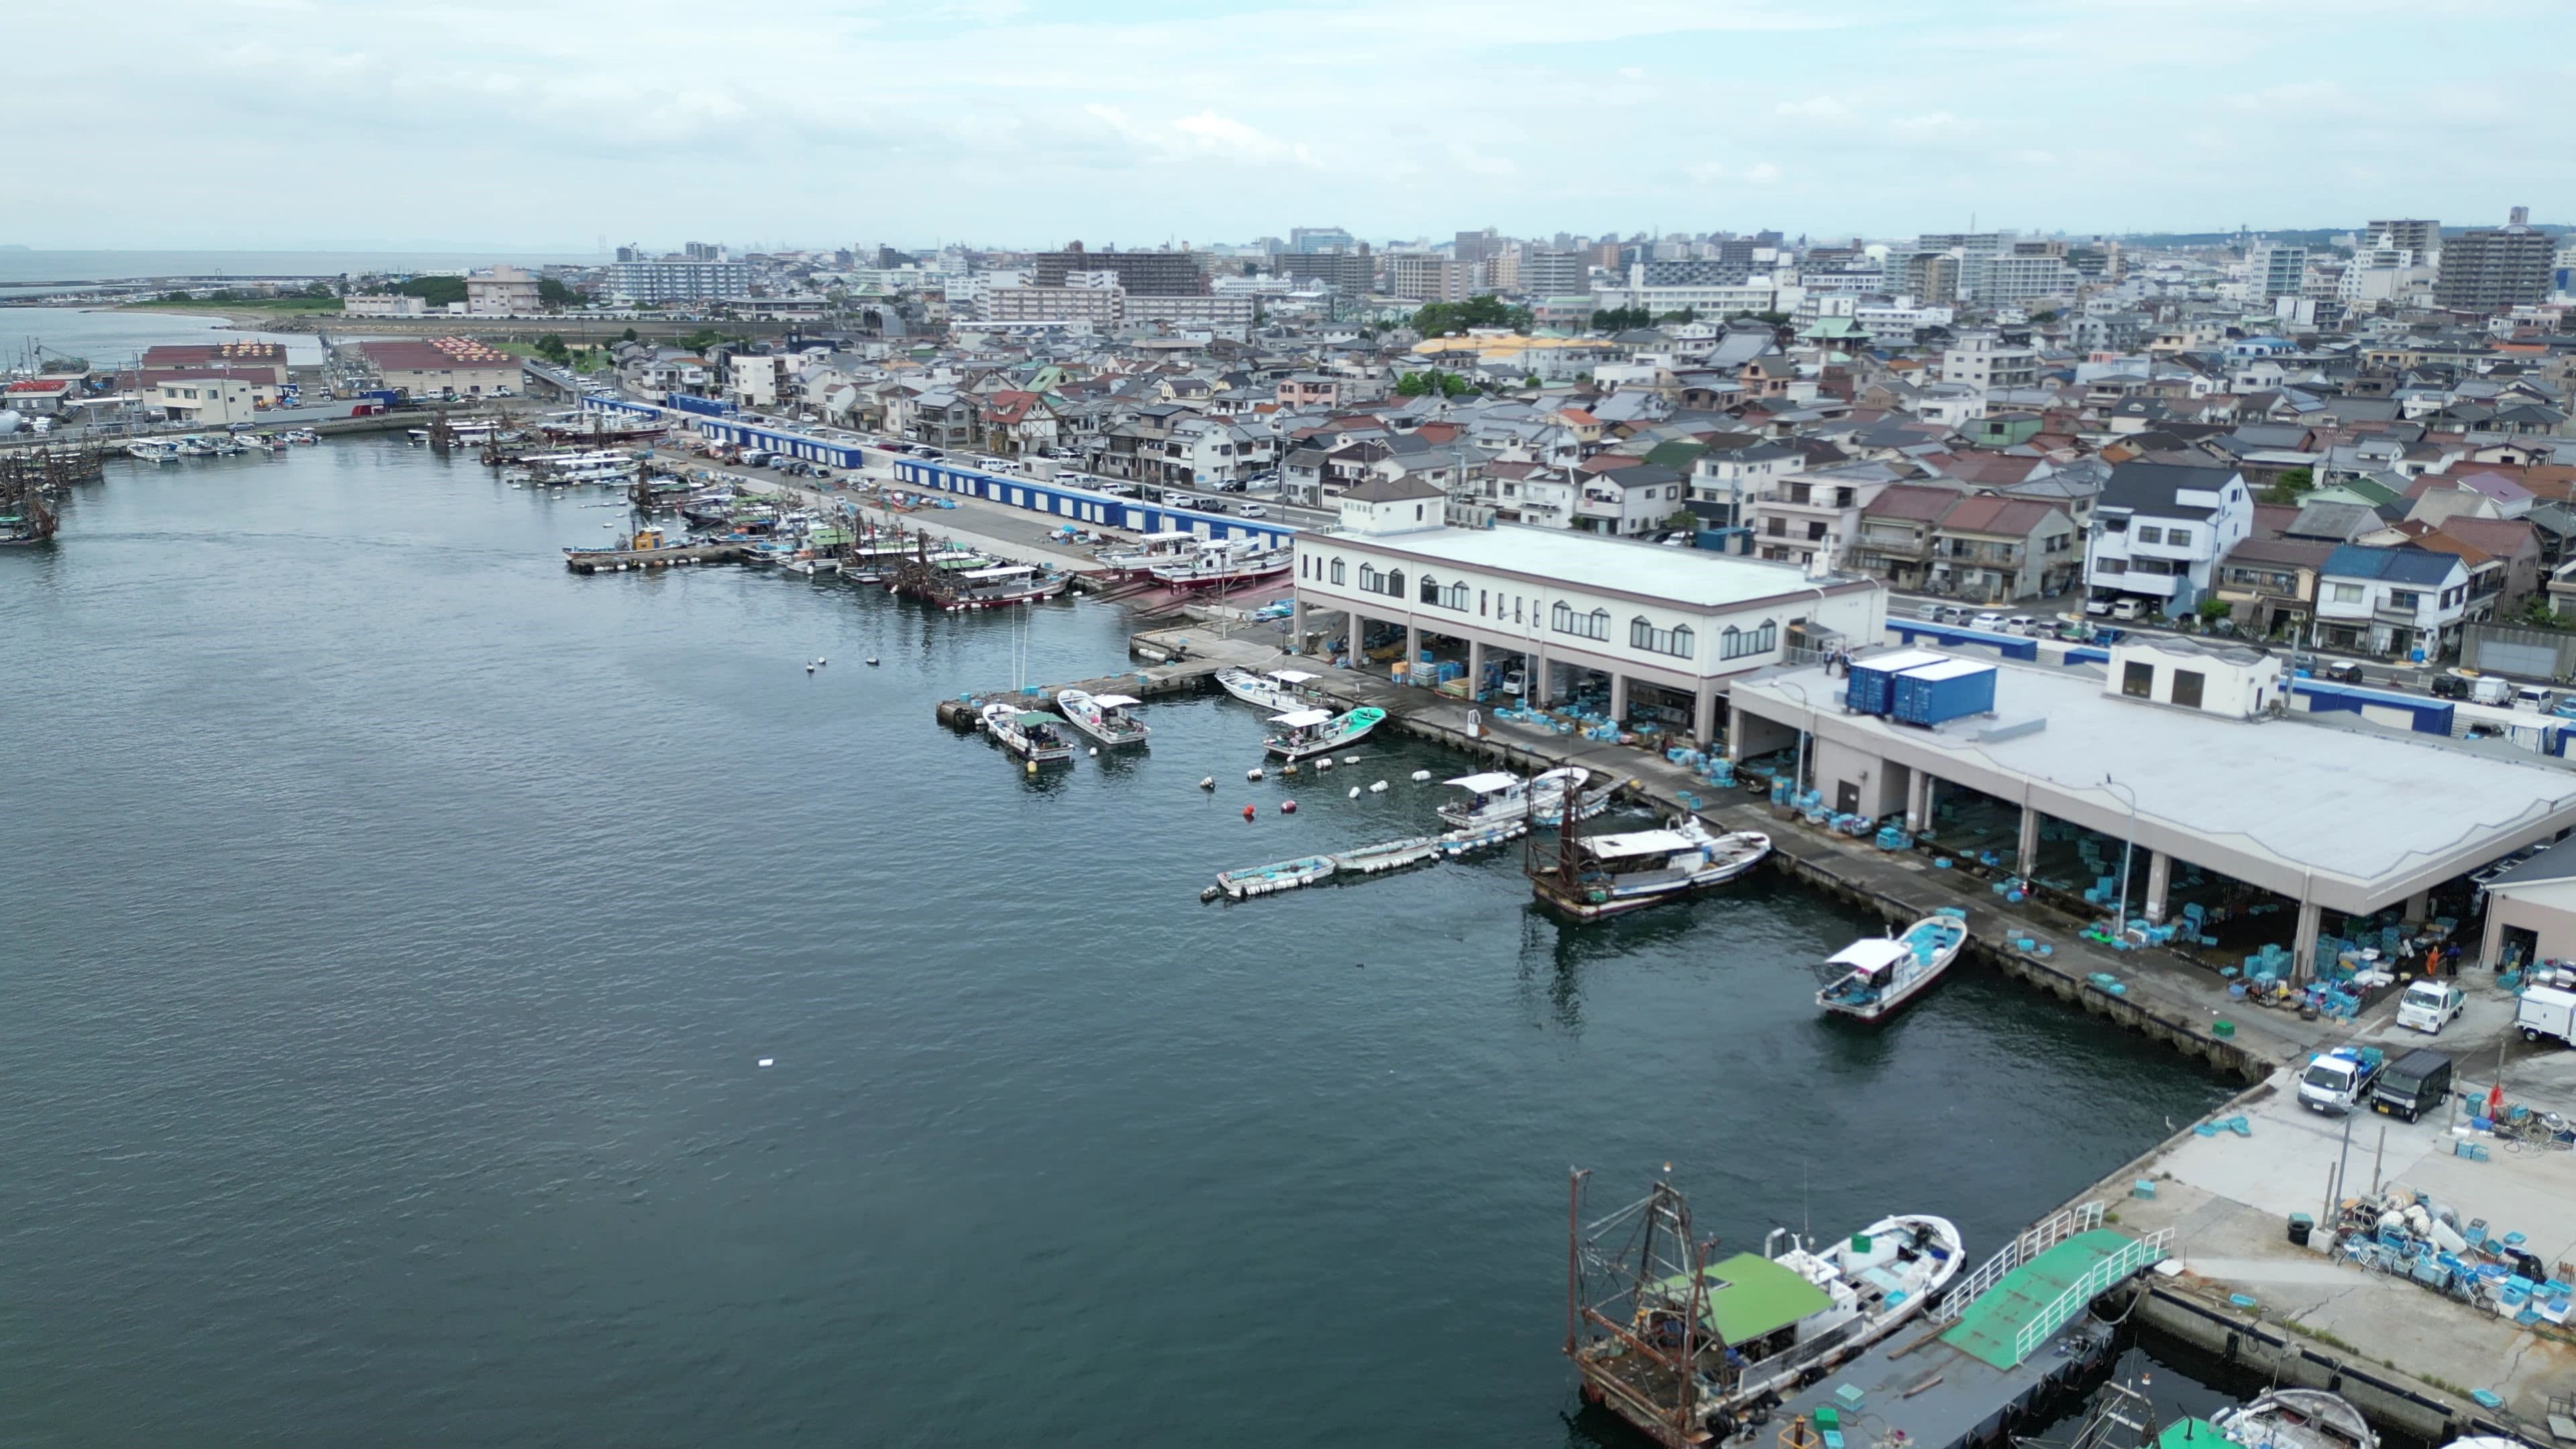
pixel 621 560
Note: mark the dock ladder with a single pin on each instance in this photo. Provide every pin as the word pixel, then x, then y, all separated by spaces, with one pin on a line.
pixel 2034 1240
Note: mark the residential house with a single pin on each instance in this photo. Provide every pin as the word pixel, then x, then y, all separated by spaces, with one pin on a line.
pixel 1894 539
pixel 1018 423
pixel 1989 548
pixel 1628 501
pixel 940 416
pixel 2270 584
pixel 2159 530
pixel 2391 601
pixel 1814 515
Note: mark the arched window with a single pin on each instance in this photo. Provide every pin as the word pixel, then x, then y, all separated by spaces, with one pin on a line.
pixel 1766 638
pixel 1371 581
pixel 1642 634
pixel 1639 631
pixel 1455 597
pixel 1430 589
pixel 1685 643
pixel 1561 618
pixel 1395 583
pixel 1337 571
pixel 1730 645
pixel 1597 625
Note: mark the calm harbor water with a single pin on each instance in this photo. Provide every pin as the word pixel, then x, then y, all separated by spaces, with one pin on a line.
pixel 396 921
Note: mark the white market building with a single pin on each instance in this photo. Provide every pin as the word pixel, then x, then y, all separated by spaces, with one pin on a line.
pixel 1661 629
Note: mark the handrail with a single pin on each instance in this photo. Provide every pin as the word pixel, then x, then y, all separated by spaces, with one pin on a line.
pixel 2034 1240
pixel 2131 1256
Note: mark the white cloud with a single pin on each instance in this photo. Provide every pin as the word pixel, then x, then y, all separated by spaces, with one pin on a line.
pixel 1931 126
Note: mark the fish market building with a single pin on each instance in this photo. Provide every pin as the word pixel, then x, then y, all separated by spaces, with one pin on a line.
pixel 2186 779
pixel 1641 630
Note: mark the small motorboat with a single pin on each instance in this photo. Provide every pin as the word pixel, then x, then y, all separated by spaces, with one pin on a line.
pixel 1874 977
pixel 1308 732
pixel 1104 717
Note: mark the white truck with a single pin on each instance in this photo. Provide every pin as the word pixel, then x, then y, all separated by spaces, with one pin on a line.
pixel 2428 1006
pixel 2547 1011
pixel 2340 1080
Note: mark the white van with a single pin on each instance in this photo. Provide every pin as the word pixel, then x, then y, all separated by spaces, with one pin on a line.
pixel 2532 699
pixel 2487 689
pixel 1991 623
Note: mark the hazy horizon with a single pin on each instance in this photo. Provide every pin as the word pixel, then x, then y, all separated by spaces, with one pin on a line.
pixel 336 125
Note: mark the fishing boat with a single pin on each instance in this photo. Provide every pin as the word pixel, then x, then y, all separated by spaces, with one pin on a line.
pixel 1000 584
pixel 1393 855
pixel 1686 1347
pixel 301 436
pixel 151 450
pixel 1875 976
pixel 1496 796
pixel 2296 1419
pixel 1027 733
pixel 1104 717
pixel 1262 880
pixel 1305 732
pixel 1223 561
pixel 1604 875
pixel 1278 691
pixel 1152 551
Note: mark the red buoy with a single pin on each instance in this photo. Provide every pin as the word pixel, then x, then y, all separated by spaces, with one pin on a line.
pixel 1287 807
pixel 1249 812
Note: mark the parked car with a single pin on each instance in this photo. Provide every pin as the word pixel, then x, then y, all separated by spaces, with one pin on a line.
pixel 2022 624
pixel 2097 606
pixel 1253 510
pixel 1988 622
pixel 1947 614
pixel 2533 699
pixel 2450 686
pixel 2343 671
pixel 2128 609
pixel 2414 1084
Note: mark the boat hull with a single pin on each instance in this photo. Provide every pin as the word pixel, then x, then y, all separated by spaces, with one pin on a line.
pixel 1292 750
pixel 1894 998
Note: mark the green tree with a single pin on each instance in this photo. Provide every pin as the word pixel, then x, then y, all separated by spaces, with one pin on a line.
pixel 2214 609
pixel 319 289
pixel 436 291
pixel 1532 381
pixel 1620 319
pixel 1687 314
pixel 551 347
pixel 552 292
pixel 2290 487
pixel 1431 380
pixel 1436 319
pixel 630 334
pixel 701 340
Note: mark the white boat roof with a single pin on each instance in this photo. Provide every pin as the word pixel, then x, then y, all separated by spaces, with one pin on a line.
pixel 1000 571
pixel 1490 780
pixel 1113 701
pixel 1638 842
pixel 1298 719
pixel 1290 676
pixel 1870 956
pixel 1166 537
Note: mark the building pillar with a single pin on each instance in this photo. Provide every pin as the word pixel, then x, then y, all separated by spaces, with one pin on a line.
pixel 2159 880
pixel 1704 717
pixel 1475 667
pixel 1618 697
pixel 2026 850
pixel 1735 732
pixel 2418 905
pixel 1412 652
pixel 2303 946
pixel 2491 949
pixel 1541 688
pixel 1918 799
pixel 1355 629
pixel 1296 624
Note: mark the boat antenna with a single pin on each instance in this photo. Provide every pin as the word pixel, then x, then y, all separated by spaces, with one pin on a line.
pixel 1806 1209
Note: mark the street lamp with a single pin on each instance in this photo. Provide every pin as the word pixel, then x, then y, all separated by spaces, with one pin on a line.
pixel 2120 921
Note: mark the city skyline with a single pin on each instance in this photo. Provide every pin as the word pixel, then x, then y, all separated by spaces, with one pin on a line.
pixel 1139 123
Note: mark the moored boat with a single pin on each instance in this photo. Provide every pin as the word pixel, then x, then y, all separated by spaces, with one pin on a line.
pixel 1392 855
pixel 1603 875
pixel 1149 552
pixel 1305 732
pixel 1223 561
pixel 1026 733
pixel 1878 975
pixel 1104 717
pixel 1685 1348
pixel 1497 796
pixel 1277 691
pixel 2297 1419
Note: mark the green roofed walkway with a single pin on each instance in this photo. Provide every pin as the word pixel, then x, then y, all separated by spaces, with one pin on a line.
pixel 2009 1321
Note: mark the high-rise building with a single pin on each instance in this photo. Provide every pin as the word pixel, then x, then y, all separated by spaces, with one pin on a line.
pixel 2273 269
pixel 2492 268
pixel 1426 277
pixel 1307 241
pixel 1353 274
pixel 1142 274
pixel 2423 238
pixel 1694 272
pixel 1472 247
pixel 1930 278
pixel 704 251
pixel 678 281
pixel 1556 273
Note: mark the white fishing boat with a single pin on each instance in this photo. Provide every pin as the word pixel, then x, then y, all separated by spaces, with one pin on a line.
pixel 1152 551
pixel 1026 733
pixel 1497 796
pixel 1455 843
pixel 1305 732
pixel 2297 1419
pixel 998 585
pixel 1766 1322
pixel 1278 691
pixel 1604 875
pixel 1223 561
pixel 153 451
pixel 1104 717
pixel 1875 976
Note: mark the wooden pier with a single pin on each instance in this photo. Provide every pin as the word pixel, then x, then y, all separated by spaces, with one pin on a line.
pixel 621 560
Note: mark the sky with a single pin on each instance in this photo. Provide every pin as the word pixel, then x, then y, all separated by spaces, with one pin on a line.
pixel 549 125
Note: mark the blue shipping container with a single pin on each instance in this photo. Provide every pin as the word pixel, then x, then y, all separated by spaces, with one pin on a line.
pixel 1873 688
pixel 703 406
pixel 1938 693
